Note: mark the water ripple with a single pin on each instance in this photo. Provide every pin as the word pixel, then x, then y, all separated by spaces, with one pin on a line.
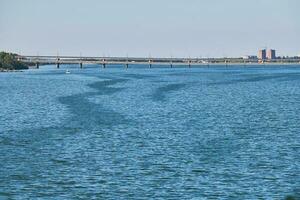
pixel 200 133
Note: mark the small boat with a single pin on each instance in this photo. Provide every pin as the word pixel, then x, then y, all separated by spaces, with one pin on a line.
pixel 68 72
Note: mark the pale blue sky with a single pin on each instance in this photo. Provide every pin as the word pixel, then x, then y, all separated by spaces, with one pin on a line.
pixel 180 28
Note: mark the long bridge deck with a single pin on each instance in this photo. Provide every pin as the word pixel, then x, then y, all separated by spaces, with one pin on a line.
pixel 126 61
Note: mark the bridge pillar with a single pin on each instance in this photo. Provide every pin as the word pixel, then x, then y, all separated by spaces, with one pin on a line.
pixel 189 64
pixel 126 65
pixel 103 63
pixel 80 64
pixel 57 62
pixel 37 65
pixel 171 65
pixel 150 65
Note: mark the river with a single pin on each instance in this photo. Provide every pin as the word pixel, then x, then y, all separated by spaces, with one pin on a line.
pixel 160 133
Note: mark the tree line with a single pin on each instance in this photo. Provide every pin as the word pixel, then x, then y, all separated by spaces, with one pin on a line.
pixel 9 61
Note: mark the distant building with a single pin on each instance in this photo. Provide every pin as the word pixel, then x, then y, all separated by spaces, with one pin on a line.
pixel 271 54
pixel 249 57
pixel 262 54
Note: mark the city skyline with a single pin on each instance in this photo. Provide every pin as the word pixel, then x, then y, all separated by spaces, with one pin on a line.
pixel 156 29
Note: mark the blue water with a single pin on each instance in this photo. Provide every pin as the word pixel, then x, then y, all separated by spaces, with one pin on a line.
pixel 160 133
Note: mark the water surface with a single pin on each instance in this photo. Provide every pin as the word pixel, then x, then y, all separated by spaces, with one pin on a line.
pixel 160 133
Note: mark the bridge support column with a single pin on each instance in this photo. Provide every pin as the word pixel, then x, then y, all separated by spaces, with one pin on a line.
pixel 57 65
pixel 189 64
pixel 80 64
pixel 126 65
pixel 103 63
pixel 37 65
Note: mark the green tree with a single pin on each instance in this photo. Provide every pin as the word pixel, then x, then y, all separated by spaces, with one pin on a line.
pixel 10 61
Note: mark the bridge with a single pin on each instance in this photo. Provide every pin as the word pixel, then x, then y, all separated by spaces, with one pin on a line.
pixel 127 61
pixel 105 61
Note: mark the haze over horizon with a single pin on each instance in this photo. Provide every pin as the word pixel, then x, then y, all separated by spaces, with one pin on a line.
pixel 207 28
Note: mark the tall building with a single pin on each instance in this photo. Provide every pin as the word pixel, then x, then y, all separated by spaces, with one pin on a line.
pixel 271 54
pixel 262 54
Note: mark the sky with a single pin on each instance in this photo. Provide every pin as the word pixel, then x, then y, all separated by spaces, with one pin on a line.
pixel 156 28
